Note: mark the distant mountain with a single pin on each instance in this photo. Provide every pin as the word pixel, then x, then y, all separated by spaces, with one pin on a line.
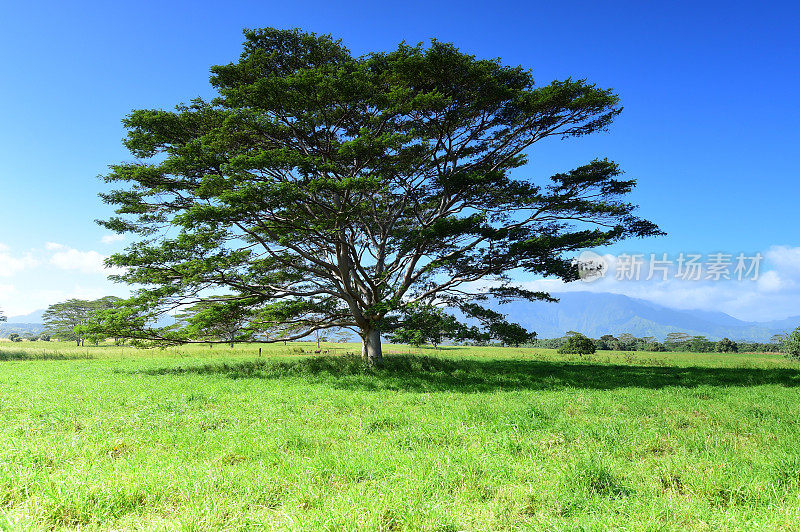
pixel 33 317
pixel 20 328
pixel 595 314
pixel 22 325
pixel 787 324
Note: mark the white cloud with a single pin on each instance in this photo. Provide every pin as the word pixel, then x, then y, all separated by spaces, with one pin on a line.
pixel 17 303
pixel 10 264
pixel 773 295
pixel 771 281
pixel 784 258
pixel 6 290
pixel 112 238
pixel 47 274
pixel 67 258
pixel 83 261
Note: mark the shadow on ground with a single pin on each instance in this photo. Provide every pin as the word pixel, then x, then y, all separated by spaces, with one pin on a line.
pixel 430 374
pixel 6 355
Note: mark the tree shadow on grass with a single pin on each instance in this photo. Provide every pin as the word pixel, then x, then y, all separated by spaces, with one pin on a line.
pixel 6 355
pixel 430 374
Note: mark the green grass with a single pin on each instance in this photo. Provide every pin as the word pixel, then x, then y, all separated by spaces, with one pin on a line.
pixel 457 439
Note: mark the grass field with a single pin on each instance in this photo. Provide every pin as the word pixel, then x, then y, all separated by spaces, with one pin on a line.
pixel 467 439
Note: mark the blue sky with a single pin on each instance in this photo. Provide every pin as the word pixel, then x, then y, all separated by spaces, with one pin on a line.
pixel 710 91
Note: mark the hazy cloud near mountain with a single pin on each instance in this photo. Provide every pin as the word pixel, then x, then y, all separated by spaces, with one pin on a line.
pixel 84 261
pixel 773 295
pixel 10 264
pixel 596 314
pixel 111 238
pixel 35 278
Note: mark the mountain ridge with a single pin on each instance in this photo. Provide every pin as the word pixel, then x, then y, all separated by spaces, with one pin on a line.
pixel 597 313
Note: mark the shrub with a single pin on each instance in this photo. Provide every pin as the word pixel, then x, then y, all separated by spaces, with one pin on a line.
pixel 791 345
pixel 577 344
pixel 726 345
pixel 656 347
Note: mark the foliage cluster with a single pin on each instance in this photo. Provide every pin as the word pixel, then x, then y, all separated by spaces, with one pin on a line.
pixel 69 319
pixel 577 344
pixel 675 342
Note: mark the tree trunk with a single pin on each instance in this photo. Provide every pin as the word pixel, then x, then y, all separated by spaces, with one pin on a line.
pixel 371 347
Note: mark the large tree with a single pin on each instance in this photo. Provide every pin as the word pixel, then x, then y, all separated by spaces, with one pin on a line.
pixel 67 320
pixel 328 190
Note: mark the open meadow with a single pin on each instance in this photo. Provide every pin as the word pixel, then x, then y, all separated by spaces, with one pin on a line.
pixel 201 438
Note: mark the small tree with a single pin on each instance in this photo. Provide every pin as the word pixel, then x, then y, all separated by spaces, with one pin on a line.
pixel 44 337
pixel 68 320
pixel 223 319
pixel 425 324
pixel 14 337
pixel 677 341
pixel 342 336
pixel 791 344
pixel 110 321
pixel 726 345
pixel 700 344
pixel 654 346
pixel 577 344
pixel 627 342
pixel 318 337
pixel 511 334
pixel 607 342
pixel 776 343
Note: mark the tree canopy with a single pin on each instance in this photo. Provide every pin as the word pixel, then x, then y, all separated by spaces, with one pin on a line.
pixel 577 344
pixel 420 325
pixel 229 322
pixel 726 345
pixel 324 190
pixel 68 320
pixel 791 344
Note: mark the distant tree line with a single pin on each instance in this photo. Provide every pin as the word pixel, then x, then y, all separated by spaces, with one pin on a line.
pixel 16 337
pixel 674 342
pixel 225 321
